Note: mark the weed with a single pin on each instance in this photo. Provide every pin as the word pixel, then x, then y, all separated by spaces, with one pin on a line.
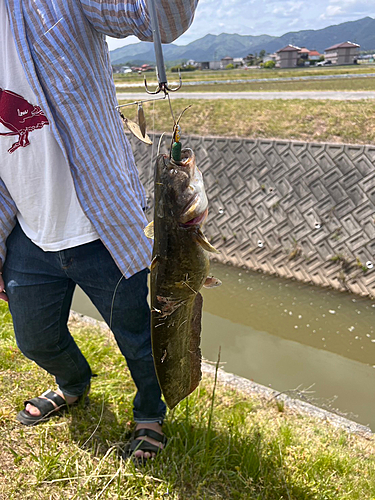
pixel 295 251
pixel 272 119
pixel 359 264
pixel 280 405
pixel 336 235
pixel 344 260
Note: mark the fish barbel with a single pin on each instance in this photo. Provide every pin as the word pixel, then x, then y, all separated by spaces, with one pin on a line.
pixel 179 269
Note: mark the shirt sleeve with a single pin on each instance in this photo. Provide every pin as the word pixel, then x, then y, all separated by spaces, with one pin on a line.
pixel 119 19
pixel 7 218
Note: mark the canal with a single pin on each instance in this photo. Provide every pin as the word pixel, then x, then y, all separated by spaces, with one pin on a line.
pixel 312 343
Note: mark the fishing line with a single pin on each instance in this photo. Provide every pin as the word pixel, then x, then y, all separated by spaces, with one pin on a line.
pixel 113 300
pixel 152 150
pixel 171 109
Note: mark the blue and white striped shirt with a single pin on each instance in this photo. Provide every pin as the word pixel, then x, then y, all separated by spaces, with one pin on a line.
pixel 61 44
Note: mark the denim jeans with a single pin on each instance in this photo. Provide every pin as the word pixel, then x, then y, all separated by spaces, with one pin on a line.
pixel 40 287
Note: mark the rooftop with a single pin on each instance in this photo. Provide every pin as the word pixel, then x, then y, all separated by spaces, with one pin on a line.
pixel 343 45
pixel 289 48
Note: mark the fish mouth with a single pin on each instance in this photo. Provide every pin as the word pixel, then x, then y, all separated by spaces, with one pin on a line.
pixel 194 209
pixel 196 221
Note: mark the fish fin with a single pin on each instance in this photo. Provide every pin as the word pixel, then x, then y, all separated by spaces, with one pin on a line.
pixel 204 243
pixel 211 282
pixel 149 230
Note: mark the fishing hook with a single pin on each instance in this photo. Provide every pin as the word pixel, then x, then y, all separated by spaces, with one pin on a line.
pixel 163 87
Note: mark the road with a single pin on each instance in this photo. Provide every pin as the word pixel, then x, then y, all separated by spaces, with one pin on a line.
pixel 330 95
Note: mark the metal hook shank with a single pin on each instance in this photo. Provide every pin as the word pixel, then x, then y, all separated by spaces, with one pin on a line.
pixel 163 87
pixel 162 77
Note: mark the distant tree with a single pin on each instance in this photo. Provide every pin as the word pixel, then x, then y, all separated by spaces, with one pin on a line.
pixel 269 65
pixel 229 66
pixel 262 53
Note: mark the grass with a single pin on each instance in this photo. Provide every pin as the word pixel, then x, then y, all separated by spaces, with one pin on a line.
pixel 308 120
pixel 343 85
pixel 228 447
pixel 251 73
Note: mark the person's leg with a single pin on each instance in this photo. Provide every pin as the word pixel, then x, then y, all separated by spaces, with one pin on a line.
pixel 123 305
pixel 40 295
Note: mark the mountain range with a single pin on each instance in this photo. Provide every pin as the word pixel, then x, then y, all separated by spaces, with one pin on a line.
pixel 215 47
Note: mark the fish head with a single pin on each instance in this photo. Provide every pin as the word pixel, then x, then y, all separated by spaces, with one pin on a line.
pixel 185 189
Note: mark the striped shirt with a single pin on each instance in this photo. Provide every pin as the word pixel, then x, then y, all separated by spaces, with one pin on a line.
pixel 62 47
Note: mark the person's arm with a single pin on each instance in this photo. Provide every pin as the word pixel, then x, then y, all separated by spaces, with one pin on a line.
pixel 121 18
pixel 7 222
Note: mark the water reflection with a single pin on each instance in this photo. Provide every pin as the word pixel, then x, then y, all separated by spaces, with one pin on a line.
pixel 338 322
pixel 285 334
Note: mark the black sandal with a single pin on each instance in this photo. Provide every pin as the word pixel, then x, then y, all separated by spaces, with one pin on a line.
pixel 135 444
pixel 46 407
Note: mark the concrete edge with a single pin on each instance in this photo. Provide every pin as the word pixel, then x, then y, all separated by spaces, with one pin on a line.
pixel 251 388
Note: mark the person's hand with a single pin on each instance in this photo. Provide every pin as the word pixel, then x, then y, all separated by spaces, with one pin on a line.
pixel 3 295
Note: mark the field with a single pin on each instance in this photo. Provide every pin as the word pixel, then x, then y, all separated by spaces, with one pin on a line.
pixel 305 120
pixel 314 121
pixel 356 84
pixel 223 444
pixel 190 76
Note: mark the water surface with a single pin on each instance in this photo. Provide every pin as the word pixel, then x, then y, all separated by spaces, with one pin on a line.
pixel 289 336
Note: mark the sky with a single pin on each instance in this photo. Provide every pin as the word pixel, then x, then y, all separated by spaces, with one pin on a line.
pixel 270 17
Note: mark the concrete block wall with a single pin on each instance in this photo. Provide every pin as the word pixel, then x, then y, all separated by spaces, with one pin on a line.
pixel 294 209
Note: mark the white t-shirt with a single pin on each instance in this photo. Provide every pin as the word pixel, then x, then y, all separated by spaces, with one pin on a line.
pixel 32 165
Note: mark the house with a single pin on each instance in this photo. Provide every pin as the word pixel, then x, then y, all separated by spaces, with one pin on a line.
pixel 314 55
pixel 250 59
pixel 204 65
pixel 269 57
pixel 287 57
pixel 342 53
pixel 304 53
pixel 225 61
pixel 214 65
pixel 238 61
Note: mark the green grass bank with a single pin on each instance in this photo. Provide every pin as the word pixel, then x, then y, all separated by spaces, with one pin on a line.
pixel 223 444
pixel 350 122
pixel 250 73
pixel 333 85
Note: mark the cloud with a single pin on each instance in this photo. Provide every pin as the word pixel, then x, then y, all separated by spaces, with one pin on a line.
pixel 346 9
pixel 271 17
pixel 287 9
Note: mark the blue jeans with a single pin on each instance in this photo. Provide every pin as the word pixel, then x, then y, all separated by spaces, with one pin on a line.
pixel 40 288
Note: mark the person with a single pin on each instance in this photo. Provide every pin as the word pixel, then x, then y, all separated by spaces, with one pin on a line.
pixel 72 202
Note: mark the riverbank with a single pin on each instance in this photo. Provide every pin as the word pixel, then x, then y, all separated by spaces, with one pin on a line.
pixel 223 444
pixel 345 122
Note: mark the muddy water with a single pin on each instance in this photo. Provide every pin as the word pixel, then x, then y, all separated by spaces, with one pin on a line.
pixel 312 343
